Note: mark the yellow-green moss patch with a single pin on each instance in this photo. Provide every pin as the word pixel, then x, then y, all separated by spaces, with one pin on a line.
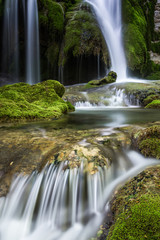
pixel 21 101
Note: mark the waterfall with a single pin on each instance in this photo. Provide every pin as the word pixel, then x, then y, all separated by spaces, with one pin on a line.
pixel 108 14
pixel 33 55
pixel 64 203
pixel 10 56
pixel 10 52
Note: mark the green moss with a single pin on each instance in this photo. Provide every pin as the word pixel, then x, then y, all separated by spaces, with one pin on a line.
pixel 51 16
pixel 136 50
pixel 154 104
pixel 150 98
pixel 40 101
pixel 140 221
pixel 83 35
pixel 155 47
pixel 155 75
pixel 70 106
pixel 148 141
pixel 138 17
pixel 150 147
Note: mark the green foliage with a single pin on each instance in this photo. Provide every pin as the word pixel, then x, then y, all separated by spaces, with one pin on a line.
pixel 155 47
pixel 140 221
pixel 155 75
pixel 39 101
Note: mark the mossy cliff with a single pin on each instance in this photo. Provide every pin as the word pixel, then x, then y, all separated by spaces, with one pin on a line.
pixel 40 101
pixel 71 41
pixel 138 18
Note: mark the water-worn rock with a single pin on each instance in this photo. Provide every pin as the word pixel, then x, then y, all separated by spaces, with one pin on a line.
pixel 28 147
pixel 147 140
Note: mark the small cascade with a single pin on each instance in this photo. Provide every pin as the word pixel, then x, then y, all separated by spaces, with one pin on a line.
pixel 87 104
pixel 10 52
pixel 33 53
pixel 63 203
pixel 108 14
pixel 111 97
pixel 119 98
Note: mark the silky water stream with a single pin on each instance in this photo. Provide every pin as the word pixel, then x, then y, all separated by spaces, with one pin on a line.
pixel 64 203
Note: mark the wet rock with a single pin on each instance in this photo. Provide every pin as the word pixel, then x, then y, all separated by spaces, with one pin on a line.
pixel 28 147
pixel 147 140
pixel 110 78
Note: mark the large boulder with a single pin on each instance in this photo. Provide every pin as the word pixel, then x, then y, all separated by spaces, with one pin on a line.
pixel 22 101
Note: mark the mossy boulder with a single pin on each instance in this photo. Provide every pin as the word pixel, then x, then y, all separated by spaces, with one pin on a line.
pixel 151 98
pixel 141 221
pixel 135 208
pixel 154 104
pixel 21 101
pixel 148 141
pixel 110 78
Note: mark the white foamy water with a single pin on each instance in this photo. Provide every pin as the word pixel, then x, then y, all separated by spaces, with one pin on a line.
pixel 108 14
pixel 33 54
pixel 62 203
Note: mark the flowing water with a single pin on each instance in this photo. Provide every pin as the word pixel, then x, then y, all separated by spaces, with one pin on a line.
pixel 108 14
pixel 33 52
pixel 11 49
pixel 62 203
pixel 10 60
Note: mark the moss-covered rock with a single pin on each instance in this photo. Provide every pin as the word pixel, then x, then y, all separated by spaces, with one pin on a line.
pixel 150 98
pixel 148 141
pixel 22 101
pixel 154 104
pixel 110 78
pixel 83 35
pixel 141 221
pixel 70 38
pixel 141 92
pixel 138 17
pixel 135 208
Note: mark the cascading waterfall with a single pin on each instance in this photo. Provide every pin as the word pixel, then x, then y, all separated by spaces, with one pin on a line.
pixel 63 203
pixel 33 54
pixel 108 14
pixel 11 47
pixel 10 52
